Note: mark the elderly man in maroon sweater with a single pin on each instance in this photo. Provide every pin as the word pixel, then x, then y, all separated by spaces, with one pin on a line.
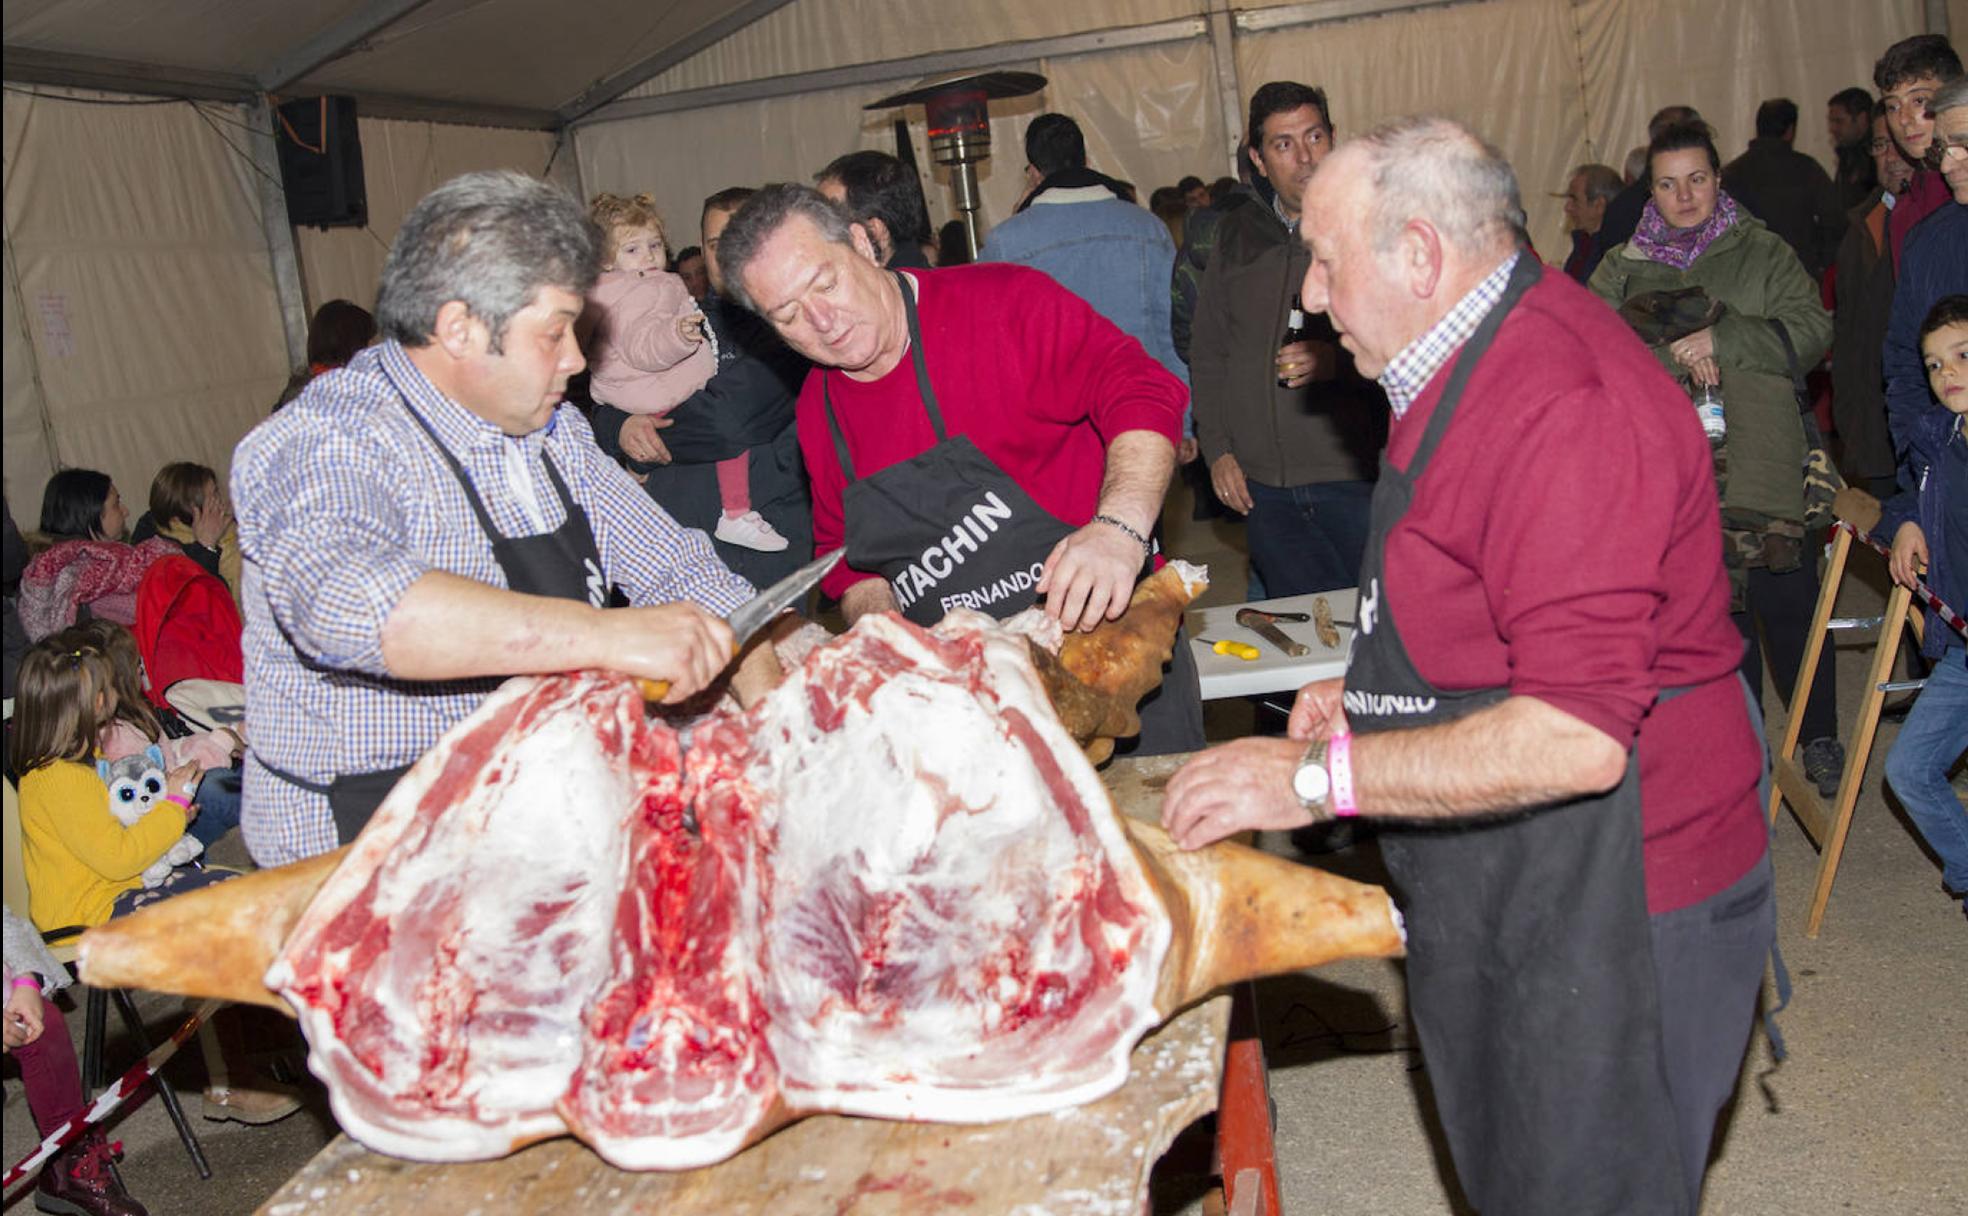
pixel 976 437
pixel 1542 708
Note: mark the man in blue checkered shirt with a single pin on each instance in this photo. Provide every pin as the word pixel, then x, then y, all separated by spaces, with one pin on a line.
pixel 433 518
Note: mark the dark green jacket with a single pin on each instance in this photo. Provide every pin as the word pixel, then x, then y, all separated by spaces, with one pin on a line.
pixel 1758 278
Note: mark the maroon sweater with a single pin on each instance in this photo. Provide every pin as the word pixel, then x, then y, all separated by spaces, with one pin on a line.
pixel 1037 379
pixel 1565 542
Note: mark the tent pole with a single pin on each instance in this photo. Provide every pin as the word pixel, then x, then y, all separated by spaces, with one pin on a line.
pixel 1229 87
pixel 281 252
pixel 1937 18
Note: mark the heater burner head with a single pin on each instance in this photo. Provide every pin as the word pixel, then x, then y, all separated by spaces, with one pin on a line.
pixel 984 84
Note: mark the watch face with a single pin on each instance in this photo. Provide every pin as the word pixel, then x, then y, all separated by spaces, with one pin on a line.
pixel 1311 783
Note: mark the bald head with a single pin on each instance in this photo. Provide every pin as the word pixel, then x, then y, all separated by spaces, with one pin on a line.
pixel 1403 222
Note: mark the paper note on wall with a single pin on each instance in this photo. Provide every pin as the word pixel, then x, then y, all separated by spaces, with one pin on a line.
pixel 57 338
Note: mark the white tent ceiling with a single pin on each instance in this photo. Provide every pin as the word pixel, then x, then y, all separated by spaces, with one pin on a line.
pixel 528 63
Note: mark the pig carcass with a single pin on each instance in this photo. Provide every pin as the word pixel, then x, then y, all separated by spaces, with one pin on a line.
pixel 894 887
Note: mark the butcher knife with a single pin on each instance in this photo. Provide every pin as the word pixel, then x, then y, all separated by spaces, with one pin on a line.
pixel 758 612
pixel 1260 624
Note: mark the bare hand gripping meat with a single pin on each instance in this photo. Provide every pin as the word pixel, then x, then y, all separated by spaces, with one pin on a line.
pixel 907 896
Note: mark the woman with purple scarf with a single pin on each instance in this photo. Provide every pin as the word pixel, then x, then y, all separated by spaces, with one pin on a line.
pixel 1725 304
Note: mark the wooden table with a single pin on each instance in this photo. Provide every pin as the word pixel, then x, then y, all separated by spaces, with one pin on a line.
pixel 1092 1160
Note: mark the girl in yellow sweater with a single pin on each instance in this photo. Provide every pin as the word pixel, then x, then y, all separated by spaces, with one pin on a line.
pixel 80 861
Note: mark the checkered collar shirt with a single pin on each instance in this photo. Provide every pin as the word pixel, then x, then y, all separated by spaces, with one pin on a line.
pixel 1409 373
pixel 343 502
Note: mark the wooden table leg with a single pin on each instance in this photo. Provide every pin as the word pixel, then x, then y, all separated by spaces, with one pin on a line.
pixel 1244 1141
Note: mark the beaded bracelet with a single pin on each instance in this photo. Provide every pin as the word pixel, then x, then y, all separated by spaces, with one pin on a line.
pixel 1136 537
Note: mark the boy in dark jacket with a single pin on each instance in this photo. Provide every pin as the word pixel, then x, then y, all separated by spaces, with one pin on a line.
pixel 1928 524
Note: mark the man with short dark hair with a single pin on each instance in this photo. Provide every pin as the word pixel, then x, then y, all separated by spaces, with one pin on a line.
pixel 1848 120
pixel 1586 196
pixel 1935 266
pixel 977 438
pixel 433 517
pixel 1289 431
pixel 1787 190
pixel 1074 226
pixel 1863 287
pixel 1195 192
pixel 886 196
pixel 1908 75
pixel 690 268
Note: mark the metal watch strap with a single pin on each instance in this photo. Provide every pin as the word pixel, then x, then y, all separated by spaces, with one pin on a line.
pixel 1315 753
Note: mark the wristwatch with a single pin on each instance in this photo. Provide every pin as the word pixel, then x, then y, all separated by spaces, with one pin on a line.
pixel 1311 781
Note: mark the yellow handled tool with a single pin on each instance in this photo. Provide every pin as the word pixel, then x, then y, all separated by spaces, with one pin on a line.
pixel 1241 650
pixel 754 614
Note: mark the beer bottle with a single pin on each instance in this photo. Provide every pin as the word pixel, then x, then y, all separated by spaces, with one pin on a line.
pixel 1295 331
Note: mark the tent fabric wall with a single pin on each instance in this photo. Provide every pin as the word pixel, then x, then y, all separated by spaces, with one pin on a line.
pixel 145 292
pixel 1552 83
pixel 1149 114
pixel 25 436
pixel 402 162
pixel 1508 68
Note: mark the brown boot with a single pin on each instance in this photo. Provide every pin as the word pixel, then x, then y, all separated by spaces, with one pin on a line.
pixel 77 1181
pixel 260 1102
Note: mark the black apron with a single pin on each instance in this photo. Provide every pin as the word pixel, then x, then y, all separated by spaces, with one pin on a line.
pixel 950 529
pixel 564 563
pixel 1530 970
pixel 947 528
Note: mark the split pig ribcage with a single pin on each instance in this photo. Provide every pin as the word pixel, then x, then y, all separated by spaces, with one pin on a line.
pixel 904 895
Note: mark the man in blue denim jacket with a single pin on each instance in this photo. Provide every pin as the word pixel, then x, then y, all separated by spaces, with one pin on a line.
pixel 1083 229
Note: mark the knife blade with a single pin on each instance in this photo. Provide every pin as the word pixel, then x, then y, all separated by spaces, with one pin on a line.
pixel 759 611
pixel 1260 624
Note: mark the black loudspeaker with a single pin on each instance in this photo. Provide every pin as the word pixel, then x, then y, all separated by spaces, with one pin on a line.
pixel 321 162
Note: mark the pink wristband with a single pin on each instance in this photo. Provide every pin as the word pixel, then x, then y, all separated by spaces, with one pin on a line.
pixel 27 981
pixel 180 799
pixel 1339 766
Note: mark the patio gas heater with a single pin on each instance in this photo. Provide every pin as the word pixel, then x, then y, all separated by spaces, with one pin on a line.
pixel 958 107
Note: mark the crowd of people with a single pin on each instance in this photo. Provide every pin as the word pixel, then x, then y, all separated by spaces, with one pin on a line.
pixel 559 442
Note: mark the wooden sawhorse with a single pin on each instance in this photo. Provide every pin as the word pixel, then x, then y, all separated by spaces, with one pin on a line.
pixel 1858 513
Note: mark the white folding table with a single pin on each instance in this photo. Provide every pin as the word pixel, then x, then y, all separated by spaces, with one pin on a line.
pixel 1224 675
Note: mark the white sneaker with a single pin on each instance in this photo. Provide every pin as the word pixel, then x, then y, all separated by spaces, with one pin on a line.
pixel 750 531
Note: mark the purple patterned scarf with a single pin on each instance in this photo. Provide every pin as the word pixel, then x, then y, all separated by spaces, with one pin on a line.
pixel 1679 247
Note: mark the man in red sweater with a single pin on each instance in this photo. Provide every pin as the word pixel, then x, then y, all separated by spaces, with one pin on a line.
pixel 976 438
pixel 1542 707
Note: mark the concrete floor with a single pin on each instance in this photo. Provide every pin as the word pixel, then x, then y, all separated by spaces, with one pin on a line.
pixel 1866 1116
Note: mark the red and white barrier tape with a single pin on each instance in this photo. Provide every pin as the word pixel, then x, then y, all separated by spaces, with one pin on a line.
pixel 1921 591
pixel 111 1098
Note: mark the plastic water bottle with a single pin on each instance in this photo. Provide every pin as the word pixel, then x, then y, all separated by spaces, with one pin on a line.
pixel 1708 407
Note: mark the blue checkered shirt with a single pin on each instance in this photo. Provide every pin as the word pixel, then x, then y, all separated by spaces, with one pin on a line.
pixel 1409 372
pixel 343 502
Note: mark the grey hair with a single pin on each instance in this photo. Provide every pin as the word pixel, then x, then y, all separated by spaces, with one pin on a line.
pixel 1602 182
pixel 762 215
pixel 1950 96
pixel 1436 169
pixel 490 241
